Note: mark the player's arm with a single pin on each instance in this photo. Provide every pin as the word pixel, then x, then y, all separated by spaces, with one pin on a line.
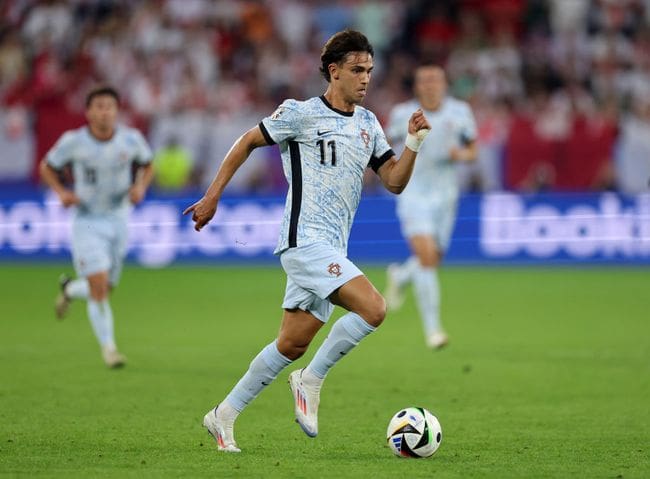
pixel 142 180
pixel 204 209
pixel 466 153
pixel 395 174
pixel 51 178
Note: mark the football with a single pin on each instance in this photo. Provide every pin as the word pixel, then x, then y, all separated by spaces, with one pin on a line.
pixel 414 432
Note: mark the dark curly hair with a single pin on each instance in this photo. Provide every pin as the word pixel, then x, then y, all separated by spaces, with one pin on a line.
pixel 339 45
pixel 100 91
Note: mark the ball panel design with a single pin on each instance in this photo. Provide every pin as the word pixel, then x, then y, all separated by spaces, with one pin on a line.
pixel 414 432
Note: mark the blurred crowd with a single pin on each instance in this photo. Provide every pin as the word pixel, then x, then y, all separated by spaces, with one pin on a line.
pixel 560 88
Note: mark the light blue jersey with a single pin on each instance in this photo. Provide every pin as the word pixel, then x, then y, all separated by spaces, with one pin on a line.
pixel 324 154
pixel 427 206
pixel 102 170
pixel 434 173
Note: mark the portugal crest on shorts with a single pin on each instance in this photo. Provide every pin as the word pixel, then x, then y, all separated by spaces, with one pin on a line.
pixel 334 269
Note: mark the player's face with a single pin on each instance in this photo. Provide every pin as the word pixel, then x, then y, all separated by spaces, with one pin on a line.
pixel 353 76
pixel 102 113
pixel 430 85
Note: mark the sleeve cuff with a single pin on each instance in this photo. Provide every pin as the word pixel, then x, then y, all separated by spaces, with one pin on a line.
pixel 266 135
pixel 375 163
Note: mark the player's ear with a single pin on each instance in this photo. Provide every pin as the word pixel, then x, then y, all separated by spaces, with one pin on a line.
pixel 334 70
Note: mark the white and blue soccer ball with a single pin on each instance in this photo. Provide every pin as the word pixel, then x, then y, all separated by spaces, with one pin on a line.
pixel 414 432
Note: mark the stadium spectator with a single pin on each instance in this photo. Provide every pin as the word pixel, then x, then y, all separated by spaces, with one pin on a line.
pixel 186 56
pixel 173 166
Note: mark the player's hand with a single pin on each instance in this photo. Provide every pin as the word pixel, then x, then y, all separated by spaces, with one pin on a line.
pixel 136 194
pixel 68 198
pixel 418 122
pixel 202 212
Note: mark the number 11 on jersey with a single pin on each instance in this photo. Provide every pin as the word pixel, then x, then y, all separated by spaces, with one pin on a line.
pixel 323 147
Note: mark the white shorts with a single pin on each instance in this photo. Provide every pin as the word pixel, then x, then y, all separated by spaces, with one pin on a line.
pixel 313 273
pixel 99 244
pixel 433 218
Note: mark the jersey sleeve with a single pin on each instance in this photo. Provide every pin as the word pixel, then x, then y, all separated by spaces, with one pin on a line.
pixel 468 131
pixel 283 124
pixel 60 154
pixel 143 154
pixel 382 151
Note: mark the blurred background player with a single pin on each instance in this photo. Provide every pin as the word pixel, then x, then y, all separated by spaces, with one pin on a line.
pixel 427 207
pixel 111 168
pixel 326 144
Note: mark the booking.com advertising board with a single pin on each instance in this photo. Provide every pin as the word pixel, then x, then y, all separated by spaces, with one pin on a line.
pixel 497 228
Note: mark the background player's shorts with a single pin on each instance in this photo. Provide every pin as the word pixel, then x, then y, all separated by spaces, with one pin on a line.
pixel 313 273
pixel 431 217
pixel 99 244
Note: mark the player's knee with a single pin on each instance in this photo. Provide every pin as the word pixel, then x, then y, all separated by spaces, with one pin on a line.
pixel 376 311
pixel 99 291
pixel 291 349
pixel 430 260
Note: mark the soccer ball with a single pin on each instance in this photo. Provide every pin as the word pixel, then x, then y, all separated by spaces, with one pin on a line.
pixel 414 432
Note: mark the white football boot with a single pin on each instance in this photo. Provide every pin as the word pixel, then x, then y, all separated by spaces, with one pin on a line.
pixel 306 399
pixel 394 293
pixel 62 302
pixel 221 429
pixel 112 357
pixel 437 340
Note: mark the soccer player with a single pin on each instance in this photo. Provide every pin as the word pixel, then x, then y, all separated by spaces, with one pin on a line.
pixel 111 168
pixel 427 208
pixel 326 143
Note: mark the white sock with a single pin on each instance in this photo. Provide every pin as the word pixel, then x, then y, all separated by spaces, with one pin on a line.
pixel 101 320
pixel 404 272
pixel 77 289
pixel 226 413
pixel 427 293
pixel 108 318
pixel 344 335
pixel 262 371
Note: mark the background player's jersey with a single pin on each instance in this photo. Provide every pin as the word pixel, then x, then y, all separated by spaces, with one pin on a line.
pixel 324 154
pixel 102 170
pixel 452 125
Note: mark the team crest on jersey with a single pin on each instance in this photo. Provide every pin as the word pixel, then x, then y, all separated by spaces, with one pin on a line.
pixel 334 269
pixel 123 157
pixel 365 137
pixel 277 113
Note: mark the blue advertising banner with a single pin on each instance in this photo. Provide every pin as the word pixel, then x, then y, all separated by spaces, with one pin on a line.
pixel 498 228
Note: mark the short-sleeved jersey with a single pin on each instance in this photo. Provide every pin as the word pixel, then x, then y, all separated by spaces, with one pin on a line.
pixel 102 170
pixel 452 125
pixel 324 154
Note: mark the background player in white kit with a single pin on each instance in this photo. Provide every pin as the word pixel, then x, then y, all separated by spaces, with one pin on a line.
pixel 427 208
pixel 111 167
pixel 326 143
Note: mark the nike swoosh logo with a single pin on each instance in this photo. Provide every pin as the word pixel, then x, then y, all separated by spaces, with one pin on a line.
pixel 322 132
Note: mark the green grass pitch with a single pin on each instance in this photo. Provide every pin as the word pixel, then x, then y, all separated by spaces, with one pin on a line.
pixel 547 375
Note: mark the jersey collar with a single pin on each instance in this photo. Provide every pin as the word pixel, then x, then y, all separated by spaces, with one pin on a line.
pixel 340 112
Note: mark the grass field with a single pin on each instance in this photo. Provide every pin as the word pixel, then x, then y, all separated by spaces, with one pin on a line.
pixel 547 375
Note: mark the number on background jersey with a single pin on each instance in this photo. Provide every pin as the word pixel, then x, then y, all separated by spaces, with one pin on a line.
pixel 90 175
